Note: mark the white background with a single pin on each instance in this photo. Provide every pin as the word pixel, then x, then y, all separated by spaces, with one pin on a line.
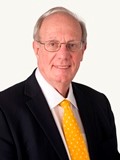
pixel 100 68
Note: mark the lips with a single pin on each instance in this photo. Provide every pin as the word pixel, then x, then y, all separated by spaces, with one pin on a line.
pixel 62 66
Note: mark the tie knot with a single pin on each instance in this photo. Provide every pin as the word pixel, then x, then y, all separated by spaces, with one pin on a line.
pixel 65 103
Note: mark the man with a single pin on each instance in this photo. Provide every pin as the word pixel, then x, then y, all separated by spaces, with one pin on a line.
pixel 31 114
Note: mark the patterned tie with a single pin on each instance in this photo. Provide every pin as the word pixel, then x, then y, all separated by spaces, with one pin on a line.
pixel 74 139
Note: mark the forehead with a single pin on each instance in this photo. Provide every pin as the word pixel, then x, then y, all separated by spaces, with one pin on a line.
pixel 60 22
pixel 61 15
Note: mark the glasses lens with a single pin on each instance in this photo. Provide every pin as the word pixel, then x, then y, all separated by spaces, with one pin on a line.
pixel 74 46
pixel 52 46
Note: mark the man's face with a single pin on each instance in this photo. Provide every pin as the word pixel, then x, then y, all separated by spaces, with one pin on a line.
pixel 62 65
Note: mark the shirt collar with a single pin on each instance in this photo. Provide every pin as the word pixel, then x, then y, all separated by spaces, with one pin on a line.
pixel 52 96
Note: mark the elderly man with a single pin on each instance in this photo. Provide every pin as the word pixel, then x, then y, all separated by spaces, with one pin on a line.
pixel 48 116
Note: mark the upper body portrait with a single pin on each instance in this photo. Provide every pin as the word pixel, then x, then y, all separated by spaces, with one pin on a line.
pixel 48 116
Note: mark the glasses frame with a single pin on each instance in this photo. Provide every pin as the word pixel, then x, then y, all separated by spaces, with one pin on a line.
pixel 59 45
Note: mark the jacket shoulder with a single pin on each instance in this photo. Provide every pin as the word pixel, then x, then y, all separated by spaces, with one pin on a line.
pixel 86 89
pixel 91 95
pixel 12 91
pixel 18 89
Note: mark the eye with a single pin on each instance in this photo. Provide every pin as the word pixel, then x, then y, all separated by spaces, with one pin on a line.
pixel 72 45
pixel 53 44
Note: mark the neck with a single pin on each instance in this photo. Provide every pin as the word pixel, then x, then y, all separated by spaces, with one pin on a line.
pixel 63 91
pixel 62 88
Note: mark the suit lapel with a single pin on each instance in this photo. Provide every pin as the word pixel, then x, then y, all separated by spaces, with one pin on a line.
pixel 87 114
pixel 40 109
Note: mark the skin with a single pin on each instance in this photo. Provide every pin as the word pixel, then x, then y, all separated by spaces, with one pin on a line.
pixel 59 68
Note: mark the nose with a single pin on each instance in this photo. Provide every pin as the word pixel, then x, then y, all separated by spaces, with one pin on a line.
pixel 63 52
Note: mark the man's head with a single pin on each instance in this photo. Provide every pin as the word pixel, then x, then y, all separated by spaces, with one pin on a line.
pixel 57 10
pixel 59 44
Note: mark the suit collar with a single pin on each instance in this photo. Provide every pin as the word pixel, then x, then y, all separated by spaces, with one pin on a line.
pixel 38 106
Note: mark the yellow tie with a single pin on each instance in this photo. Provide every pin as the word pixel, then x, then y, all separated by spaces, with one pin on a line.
pixel 74 139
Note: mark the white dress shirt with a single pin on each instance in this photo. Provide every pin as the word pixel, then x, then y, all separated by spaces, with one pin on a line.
pixel 54 98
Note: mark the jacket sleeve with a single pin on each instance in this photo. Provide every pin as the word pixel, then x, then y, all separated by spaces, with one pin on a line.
pixel 7 146
pixel 110 139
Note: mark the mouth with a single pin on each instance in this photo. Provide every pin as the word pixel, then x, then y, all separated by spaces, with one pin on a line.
pixel 62 66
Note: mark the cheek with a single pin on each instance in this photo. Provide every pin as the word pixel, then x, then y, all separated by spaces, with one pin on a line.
pixel 41 60
pixel 44 60
pixel 77 59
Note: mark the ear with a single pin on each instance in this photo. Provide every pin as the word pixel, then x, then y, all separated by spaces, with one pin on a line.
pixel 35 47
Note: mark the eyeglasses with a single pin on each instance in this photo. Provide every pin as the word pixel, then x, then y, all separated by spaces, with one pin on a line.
pixel 54 45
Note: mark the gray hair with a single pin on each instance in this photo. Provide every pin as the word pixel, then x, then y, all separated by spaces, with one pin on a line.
pixel 57 10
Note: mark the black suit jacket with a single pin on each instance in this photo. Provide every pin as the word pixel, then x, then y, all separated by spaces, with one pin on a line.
pixel 28 130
